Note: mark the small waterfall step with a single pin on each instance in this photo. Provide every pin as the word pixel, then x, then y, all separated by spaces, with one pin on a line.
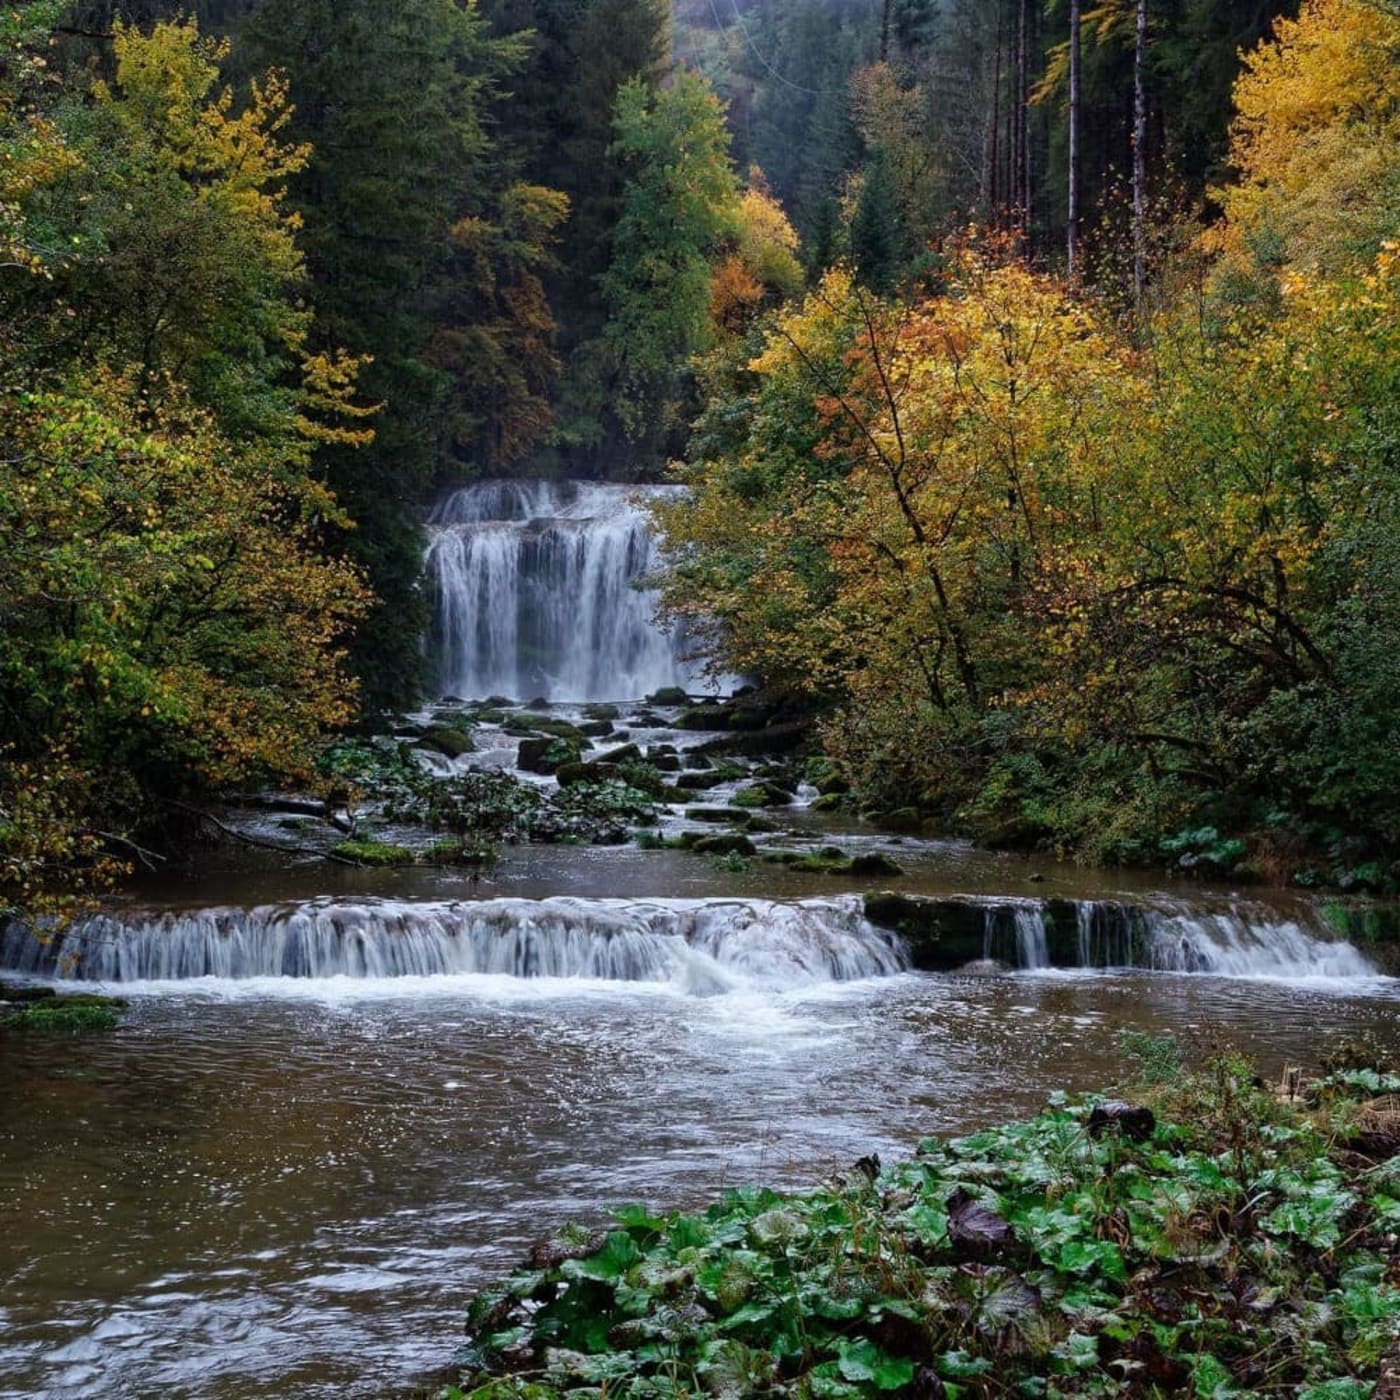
pixel 534 586
pixel 1233 939
pixel 700 946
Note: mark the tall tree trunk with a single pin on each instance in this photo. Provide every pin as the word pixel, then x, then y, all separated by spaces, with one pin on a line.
pixel 1074 137
pixel 885 31
pixel 996 200
pixel 1022 181
pixel 1140 157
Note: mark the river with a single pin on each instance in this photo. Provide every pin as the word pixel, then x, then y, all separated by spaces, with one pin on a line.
pixel 344 1099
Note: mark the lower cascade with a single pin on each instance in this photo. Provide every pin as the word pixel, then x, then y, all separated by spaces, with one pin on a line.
pixel 1240 941
pixel 535 593
pixel 703 947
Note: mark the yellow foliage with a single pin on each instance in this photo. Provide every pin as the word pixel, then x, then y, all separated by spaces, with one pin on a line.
pixel 1316 140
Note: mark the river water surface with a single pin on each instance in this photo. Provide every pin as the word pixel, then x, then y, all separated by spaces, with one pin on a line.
pixel 290 1187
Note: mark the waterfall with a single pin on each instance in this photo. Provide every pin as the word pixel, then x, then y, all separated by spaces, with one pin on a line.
pixel 1231 944
pixel 1239 940
pixel 534 595
pixel 699 946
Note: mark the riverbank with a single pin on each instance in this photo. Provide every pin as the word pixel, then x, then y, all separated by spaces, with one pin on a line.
pixel 1217 1238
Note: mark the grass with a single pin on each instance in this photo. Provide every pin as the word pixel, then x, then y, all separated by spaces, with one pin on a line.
pixel 60 1015
pixel 1241 1247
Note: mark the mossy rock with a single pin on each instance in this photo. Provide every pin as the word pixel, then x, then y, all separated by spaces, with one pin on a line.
pixel 760 825
pixel 906 819
pixel 374 853
pixel 626 753
pixel 50 1014
pixel 668 695
pixel 664 762
pixel 760 795
pixel 721 816
pixel 874 863
pixel 447 740
pixel 726 844
pixel 602 712
pixel 704 717
pixel 13 991
pixel 488 716
pixel 596 729
pixel 829 802
pixel 544 755
pixel 700 782
pixel 775 739
pixel 556 729
pixel 942 934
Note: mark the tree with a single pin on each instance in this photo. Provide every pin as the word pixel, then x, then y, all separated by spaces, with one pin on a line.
pixel 395 104
pixel 678 202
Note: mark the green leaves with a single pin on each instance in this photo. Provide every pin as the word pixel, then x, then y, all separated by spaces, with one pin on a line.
pixel 860 1291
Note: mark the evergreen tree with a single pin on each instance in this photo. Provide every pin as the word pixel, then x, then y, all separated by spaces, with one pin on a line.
pixel 876 232
pixel 393 101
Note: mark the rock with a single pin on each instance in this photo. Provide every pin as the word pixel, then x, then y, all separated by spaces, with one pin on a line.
pixel 760 825
pixel 602 712
pixel 747 717
pixel 873 863
pixel 373 853
pixel 663 762
pixel 668 695
pixel 722 816
pixel 1135 1124
pixel 596 729
pixel 12 991
pixel 645 719
pixel 497 702
pixel 730 843
pixel 544 755
pixel 447 740
pixel 628 753
pixel 540 702
pixel 555 728
pixel 776 738
pixel 901 819
pixel 832 802
pixel 942 935
pixel 699 782
pixel 984 967
pixel 704 717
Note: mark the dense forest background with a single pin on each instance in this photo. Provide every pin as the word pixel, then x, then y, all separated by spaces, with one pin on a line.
pixel 1029 360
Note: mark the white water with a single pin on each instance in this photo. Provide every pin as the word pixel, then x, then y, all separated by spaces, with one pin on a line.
pixel 534 593
pixel 695 946
pixel 1243 941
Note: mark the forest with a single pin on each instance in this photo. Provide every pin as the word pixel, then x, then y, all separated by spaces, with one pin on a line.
pixel 1032 367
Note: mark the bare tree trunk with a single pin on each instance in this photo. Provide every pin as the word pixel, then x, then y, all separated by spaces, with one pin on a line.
pixel 996 201
pixel 885 31
pixel 1140 157
pixel 1022 154
pixel 1074 136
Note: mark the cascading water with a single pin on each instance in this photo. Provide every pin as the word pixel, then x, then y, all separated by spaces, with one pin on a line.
pixel 701 947
pixel 535 595
pixel 1240 941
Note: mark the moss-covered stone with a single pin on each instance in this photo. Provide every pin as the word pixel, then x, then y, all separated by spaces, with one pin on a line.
pixel 721 816
pixel 368 852
pixel 874 863
pixel 668 695
pixel 724 844
pixel 448 740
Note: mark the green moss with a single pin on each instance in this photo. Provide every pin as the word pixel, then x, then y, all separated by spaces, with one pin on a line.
pixel 64 1015
pixel 369 852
